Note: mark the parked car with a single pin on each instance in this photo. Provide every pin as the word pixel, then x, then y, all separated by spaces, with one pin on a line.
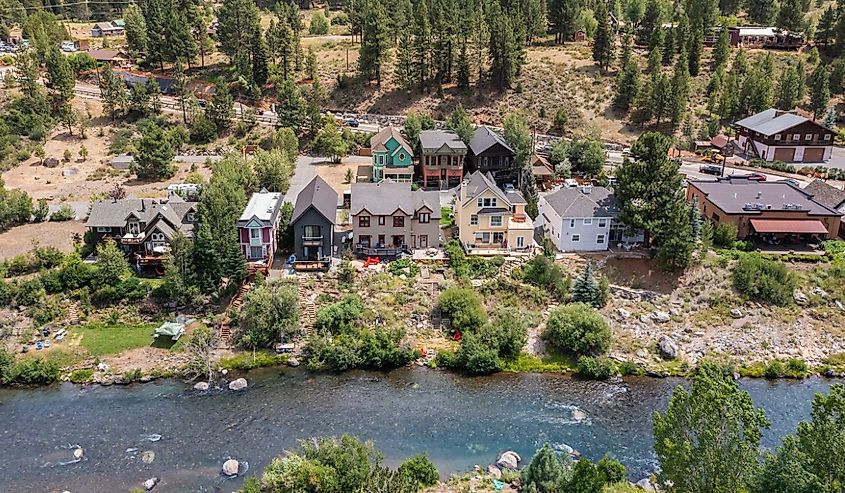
pixel 794 183
pixel 351 122
pixel 756 177
pixel 710 170
pixel 69 47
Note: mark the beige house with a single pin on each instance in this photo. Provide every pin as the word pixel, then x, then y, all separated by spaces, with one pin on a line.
pixel 389 218
pixel 491 221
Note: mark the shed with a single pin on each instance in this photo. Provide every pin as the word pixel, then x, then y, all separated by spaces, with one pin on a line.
pixel 124 161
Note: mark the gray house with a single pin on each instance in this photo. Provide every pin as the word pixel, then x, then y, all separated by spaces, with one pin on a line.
pixel 489 153
pixel 313 220
pixel 389 218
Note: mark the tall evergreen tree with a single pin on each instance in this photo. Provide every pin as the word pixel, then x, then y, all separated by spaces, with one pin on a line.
pixel 680 90
pixel 722 50
pixel 459 123
pixel 422 42
pixel 605 40
pixel 563 15
pixel 221 108
pixel 463 67
pixel 825 29
pixel 136 29
pixel 627 86
pixel 695 49
pixel 820 96
pixel 669 46
pixel 761 12
pixel 404 72
pixel 584 289
pixel 787 91
pixel 661 96
pixel 505 48
pixel 113 92
pixel 375 43
pixel 653 19
pixel 238 21
pixel 260 55
pixel 281 45
pixel 790 15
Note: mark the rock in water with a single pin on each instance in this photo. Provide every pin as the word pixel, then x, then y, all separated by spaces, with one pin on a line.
pixel 202 386
pixel 508 460
pixel 494 472
pixel 150 484
pixel 148 456
pixel 238 384
pixel 230 467
pixel 78 453
pixel 668 348
pixel 293 362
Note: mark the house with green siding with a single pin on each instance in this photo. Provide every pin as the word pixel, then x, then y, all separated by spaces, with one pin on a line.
pixel 393 157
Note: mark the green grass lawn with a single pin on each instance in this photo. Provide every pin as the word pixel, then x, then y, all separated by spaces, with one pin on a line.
pixel 103 340
pixel 445 220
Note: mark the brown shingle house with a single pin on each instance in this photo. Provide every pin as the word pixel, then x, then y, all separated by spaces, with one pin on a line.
pixel 765 211
pixel 775 135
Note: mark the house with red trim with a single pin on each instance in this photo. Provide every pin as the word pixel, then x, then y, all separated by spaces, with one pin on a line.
pixel 258 225
pixel 442 159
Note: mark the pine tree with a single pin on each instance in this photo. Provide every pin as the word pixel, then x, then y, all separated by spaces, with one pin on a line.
pixel 642 112
pixel 652 20
pixel 695 220
pixel 422 42
pixel 657 39
pixel 669 47
pixel 695 47
pixel 529 191
pixel 260 54
pixel 136 29
pixel 723 48
pixel 375 43
pixel 790 15
pixel 60 78
pixel 404 71
pixel 680 90
pixel 825 29
pixel 802 80
pixel 625 56
pixel 113 92
pixel 154 159
pixel 459 123
pixel 787 92
pixel 280 44
pixel 605 40
pixel 238 21
pixel 627 86
pixel 584 290
pixel 463 68
pixel 504 48
pixel 820 96
pixel 655 61
pixel 761 11
pixel 221 108
pixel 563 15
pixel 830 118
pixel 290 106
pixel 153 91
pixel 661 96
pixel 183 93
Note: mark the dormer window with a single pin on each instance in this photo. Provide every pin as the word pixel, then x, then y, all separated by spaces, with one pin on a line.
pixel 808 136
pixel 777 136
pixel 192 217
pixel 826 136
pixel 796 137
pixel 487 202
pixel 134 228
pixel 425 217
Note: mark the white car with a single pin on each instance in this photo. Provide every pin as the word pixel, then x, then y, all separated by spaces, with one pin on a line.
pixel 69 47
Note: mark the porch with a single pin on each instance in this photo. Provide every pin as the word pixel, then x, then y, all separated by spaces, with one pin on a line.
pixel 385 251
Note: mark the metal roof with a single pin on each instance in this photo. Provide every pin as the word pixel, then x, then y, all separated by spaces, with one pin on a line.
pixel 807 226
pixel 433 140
pixel 771 121
pixel 744 196
pixel 263 206
pixel 384 198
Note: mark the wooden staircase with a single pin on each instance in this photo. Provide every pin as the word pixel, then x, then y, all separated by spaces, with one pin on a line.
pixel 73 314
pixel 237 301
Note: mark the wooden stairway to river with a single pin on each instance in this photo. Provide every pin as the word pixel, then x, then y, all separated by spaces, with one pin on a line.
pixel 309 309
pixel 235 304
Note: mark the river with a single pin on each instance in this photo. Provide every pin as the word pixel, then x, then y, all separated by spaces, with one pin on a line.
pixel 457 421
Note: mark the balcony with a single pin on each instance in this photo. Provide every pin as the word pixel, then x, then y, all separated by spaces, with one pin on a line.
pixel 311 240
pixel 132 238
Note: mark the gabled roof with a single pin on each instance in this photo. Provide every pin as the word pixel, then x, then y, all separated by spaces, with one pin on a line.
pixel 771 121
pixel 478 182
pixel 826 194
pixel 378 141
pixel 115 213
pixel 484 138
pixel 576 202
pixel 435 140
pixel 317 194
pixel 264 206
pixel 386 197
pixel 737 195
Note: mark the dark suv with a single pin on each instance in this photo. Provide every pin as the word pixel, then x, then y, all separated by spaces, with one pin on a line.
pixel 710 170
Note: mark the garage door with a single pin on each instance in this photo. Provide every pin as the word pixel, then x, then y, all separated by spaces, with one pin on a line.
pixel 785 154
pixel 814 154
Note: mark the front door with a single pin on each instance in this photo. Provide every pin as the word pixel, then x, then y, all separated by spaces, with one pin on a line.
pixel 255 253
pixel 423 241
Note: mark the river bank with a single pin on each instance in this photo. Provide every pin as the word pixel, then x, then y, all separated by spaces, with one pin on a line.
pixel 459 422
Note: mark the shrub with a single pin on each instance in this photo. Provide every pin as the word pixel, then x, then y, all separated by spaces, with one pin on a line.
pixel 340 19
pixel 611 470
pixel 596 368
pixel 724 235
pixel 340 317
pixel 775 369
pixel 319 24
pixel 203 130
pixel 35 371
pixel 579 329
pixel 540 271
pixel 63 213
pixel 463 306
pixel 84 375
pixel 404 266
pixel 7 363
pixel 420 471
pixel 763 279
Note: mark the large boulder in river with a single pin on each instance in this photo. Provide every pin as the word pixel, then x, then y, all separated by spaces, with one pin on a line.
pixel 230 467
pixel 201 386
pixel 238 384
pixel 150 484
pixel 668 348
pixel 508 460
pixel 645 485
pixel 494 472
pixel 78 453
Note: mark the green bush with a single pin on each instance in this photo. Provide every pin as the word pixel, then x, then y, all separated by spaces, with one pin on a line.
pixel 419 470
pixel 611 470
pixel 578 328
pixel 340 19
pixel 596 368
pixel 84 375
pixel 463 306
pixel 775 369
pixel 319 24
pixel 542 272
pixel 64 213
pixel 724 235
pixel 7 364
pixel 404 266
pixel 340 317
pixel 375 348
pixel 34 371
pixel 763 279
pixel 203 130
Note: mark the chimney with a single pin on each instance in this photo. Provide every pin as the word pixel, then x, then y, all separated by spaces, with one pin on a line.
pixel 143 205
pixel 587 189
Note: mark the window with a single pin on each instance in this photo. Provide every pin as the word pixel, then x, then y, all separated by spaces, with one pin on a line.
pixel 487 202
pixel 103 229
pixel 364 240
pixel 398 221
pixel 808 136
pixel 520 242
pixel 401 156
pixel 381 159
pixel 254 233
pixel 602 223
pixel 380 240
pixel 134 228
pixel 473 220
pixel 381 220
pixel 363 221
pixel 572 223
pixel 600 239
pixel 255 252
pixel 495 221
pixel 777 136
pixel 576 238
pixel 192 217
pixel 796 137
pixel 499 237
pixel 312 232
pixel 826 136
pixel 425 217
pixel 588 221
pixel 482 237
pixel 157 237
